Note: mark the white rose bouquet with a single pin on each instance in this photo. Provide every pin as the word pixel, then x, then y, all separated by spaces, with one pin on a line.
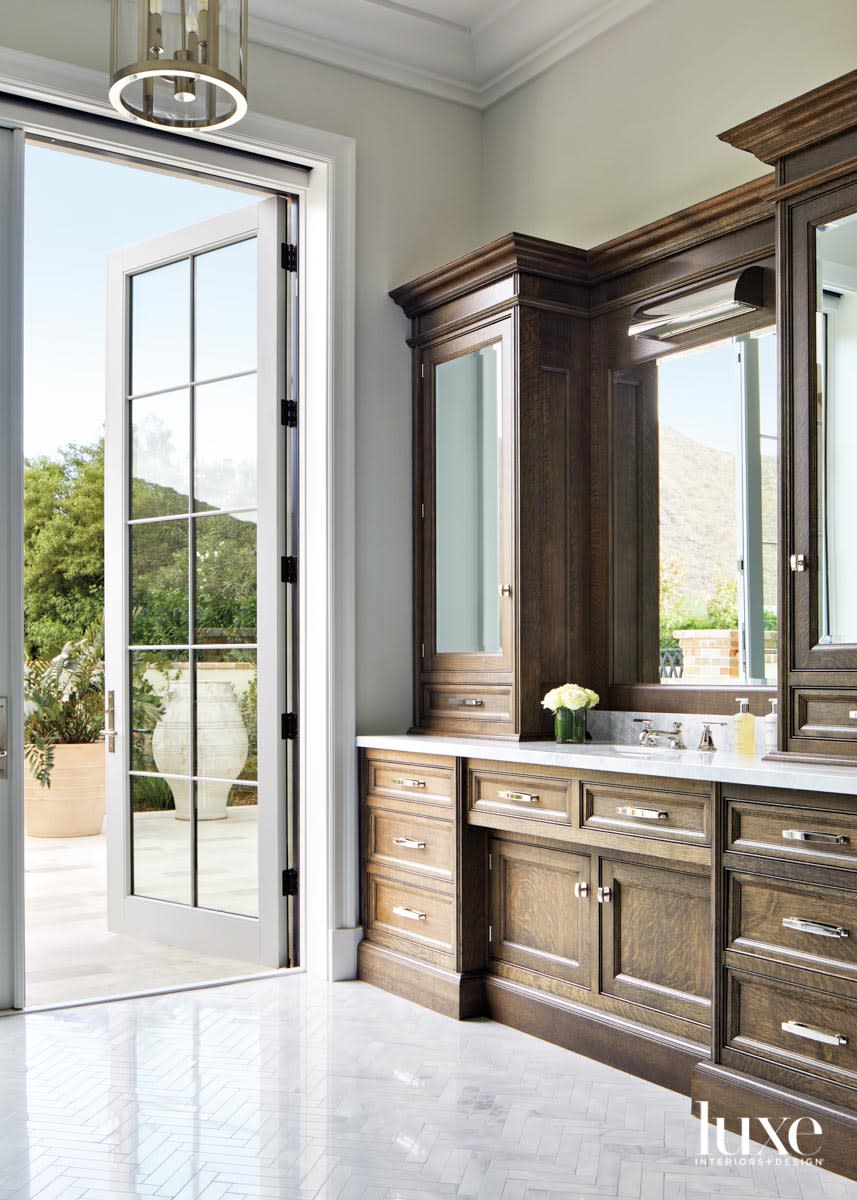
pixel 570 695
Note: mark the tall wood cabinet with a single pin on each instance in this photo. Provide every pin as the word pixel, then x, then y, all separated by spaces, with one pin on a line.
pixel 501 359
pixel 812 142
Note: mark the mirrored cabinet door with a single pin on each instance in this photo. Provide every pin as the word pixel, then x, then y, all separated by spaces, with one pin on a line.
pixel 467 435
pixel 823 557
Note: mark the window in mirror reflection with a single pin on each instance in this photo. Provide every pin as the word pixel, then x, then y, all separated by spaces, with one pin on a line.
pixel 468 434
pixel 836 398
pixel 695 521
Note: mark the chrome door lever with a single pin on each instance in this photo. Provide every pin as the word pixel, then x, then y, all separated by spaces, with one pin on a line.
pixel 4 746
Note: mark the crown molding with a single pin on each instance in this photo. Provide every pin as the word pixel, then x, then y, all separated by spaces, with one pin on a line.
pixel 813 117
pixel 413 49
pixel 725 213
pixel 729 212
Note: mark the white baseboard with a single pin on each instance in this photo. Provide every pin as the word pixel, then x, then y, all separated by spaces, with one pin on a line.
pixel 343 953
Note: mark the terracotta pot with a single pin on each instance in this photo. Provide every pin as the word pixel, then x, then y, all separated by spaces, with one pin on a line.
pixel 73 806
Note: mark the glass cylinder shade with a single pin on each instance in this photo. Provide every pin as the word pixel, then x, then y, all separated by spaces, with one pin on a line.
pixel 179 64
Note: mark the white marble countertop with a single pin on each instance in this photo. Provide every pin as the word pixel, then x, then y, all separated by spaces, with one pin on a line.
pixel 721 766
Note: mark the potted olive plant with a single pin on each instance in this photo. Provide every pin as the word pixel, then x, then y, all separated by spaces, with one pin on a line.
pixel 63 717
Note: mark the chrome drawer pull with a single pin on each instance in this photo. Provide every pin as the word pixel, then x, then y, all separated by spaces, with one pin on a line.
pixel 519 797
pixel 411 783
pixel 605 895
pixel 644 814
pixel 813 1035
pixel 808 835
pixel 409 843
pixel 465 702
pixel 410 913
pixel 819 928
pixel 581 890
pixel 852 716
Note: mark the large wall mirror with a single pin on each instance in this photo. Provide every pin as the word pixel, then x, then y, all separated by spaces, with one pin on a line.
pixel 468 422
pixel 836 415
pixel 694 515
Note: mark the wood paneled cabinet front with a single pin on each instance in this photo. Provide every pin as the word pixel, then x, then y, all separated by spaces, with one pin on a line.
pixel 621 934
pixel 501 491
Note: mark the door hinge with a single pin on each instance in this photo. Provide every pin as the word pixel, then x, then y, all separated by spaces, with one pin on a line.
pixel 290 257
pixel 290 881
pixel 289 413
pixel 290 569
pixel 290 726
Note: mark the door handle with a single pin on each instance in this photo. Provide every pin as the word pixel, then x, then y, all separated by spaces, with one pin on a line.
pixel 4 745
pixel 109 732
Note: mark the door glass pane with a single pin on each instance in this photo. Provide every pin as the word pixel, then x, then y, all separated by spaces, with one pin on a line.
pixel 160 328
pixel 468 436
pixel 836 410
pixel 160 455
pixel 154 711
pixel 226 578
pixel 159 583
pixel 227 830
pixel 225 310
pixel 160 838
pixel 225 444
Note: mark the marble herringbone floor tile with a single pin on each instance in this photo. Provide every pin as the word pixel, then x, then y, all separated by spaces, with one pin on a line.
pixel 286 1090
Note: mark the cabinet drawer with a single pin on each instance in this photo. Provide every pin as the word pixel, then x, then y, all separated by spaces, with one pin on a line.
pixel 535 798
pixel 818 713
pixel 795 1026
pixel 640 812
pixel 450 702
pixel 411 779
pixel 403 838
pixel 801 834
pixel 419 915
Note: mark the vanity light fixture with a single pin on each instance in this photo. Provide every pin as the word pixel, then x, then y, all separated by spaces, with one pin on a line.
pixel 179 64
pixel 669 320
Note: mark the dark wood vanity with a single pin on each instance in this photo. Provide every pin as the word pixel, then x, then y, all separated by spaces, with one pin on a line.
pixel 694 930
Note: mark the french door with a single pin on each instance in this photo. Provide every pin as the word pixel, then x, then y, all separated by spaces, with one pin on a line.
pixel 198 616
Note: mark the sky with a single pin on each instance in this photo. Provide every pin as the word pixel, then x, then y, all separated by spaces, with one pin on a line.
pixel 698 393
pixel 78 210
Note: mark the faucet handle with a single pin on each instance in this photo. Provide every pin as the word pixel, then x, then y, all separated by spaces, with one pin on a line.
pixel 676 740
pixel 647 732
pixel 706 740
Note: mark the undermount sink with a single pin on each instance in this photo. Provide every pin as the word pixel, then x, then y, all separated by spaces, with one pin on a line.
pixel 635 751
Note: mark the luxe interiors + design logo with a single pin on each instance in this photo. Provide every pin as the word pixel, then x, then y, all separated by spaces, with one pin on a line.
pixel 794 1142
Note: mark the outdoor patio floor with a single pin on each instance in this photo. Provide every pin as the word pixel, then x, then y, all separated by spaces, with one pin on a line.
pixel 70 953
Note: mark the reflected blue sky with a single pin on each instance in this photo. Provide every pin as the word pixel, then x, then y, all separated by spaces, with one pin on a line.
pixel 78 211
pixel 698 393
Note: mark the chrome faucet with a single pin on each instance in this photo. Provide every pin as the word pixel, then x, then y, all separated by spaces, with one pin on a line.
pixel 706 739
pixel 649 735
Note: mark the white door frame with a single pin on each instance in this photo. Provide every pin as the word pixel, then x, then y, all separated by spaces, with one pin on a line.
pixel 329 932
pixel 11 563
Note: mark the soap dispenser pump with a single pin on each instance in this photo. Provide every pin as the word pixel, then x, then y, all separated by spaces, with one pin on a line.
pixel 771 723
pixel 744 723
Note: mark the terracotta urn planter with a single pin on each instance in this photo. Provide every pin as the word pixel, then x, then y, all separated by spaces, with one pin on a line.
pixel 73 806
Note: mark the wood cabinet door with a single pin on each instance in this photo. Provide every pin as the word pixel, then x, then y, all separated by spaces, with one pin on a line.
pixel 465 507
pixel 540 910
pixel 818 405
pixel 655 938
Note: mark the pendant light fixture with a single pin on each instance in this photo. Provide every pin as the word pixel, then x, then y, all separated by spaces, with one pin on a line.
pixel 179 64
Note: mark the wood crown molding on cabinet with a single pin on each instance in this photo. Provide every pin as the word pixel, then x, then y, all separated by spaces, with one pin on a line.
pixel 813 117
pixel 742 206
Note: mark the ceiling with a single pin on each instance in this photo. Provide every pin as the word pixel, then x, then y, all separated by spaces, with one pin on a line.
pixel 472 51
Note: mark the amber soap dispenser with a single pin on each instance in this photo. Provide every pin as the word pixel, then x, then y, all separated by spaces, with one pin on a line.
pixel 744 723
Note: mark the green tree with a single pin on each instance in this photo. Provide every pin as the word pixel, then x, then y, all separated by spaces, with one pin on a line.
pixel 63 547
